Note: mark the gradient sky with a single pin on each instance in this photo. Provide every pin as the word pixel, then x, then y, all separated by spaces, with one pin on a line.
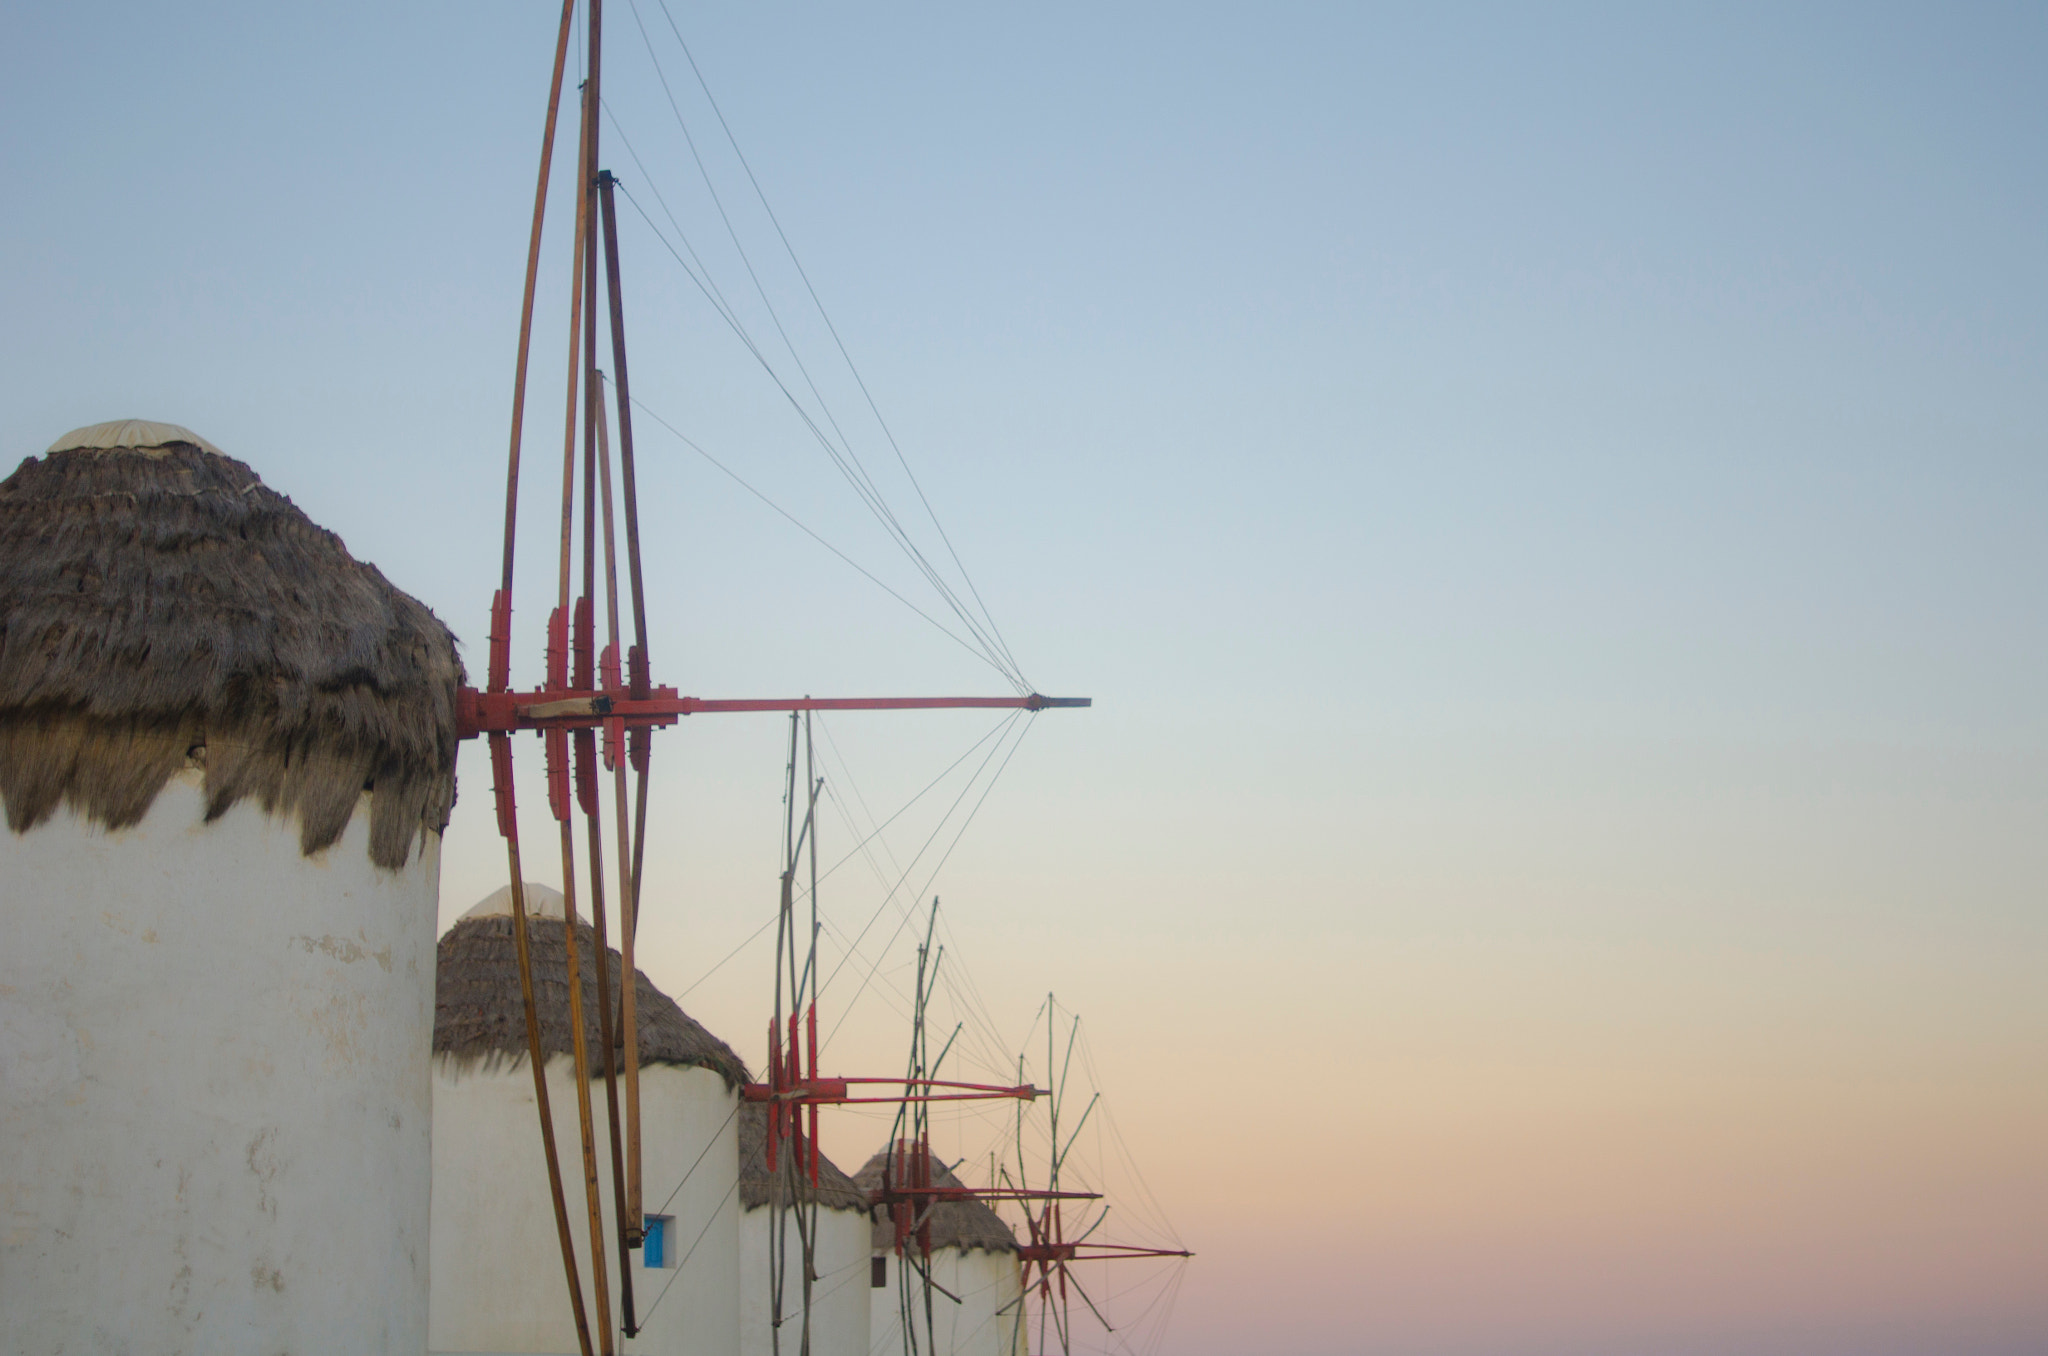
pixel 1549 505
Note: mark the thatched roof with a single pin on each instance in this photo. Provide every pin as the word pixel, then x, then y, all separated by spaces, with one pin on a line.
pixel 480 1017
pixel 965 1225
pixel 835 1190
pixel 160 608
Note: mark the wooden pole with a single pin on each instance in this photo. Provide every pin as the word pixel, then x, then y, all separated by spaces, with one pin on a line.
pixel 628 973
pixel 540 203
pixel 538 1062
pixel 579 1042
pixel 585 745
pixel 579 1046
pixel 626 465
pixel 499 678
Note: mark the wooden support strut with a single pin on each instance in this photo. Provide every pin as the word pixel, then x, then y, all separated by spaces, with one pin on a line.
pixel 631 1217
pixel 535 1058
pixel 557 738
pixel 584 746
pixel 498 679
pixel 633 848
pixel 794 1092
pixel 569 708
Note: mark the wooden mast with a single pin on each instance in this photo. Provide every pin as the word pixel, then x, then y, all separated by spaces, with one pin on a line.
pixel 499 680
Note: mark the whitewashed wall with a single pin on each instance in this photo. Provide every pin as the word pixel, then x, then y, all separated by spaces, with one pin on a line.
pixel 839 1298
pixel 985 1321
pixel 214 1103
pixel 497 1262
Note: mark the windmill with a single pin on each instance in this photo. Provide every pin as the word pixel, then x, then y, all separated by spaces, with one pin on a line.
pixel 1050 1252
pixel 914 1188
pixel 794 1090
pixel 596 709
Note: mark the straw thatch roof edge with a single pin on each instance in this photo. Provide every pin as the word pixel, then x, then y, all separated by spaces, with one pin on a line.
pixel 161 608
pixel 480 1015
pixel 835 1190
pixel 965 1225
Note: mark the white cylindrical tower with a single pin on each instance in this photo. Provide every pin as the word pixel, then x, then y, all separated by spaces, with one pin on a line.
pixel 497 1268
pixel 840 1256
pixel 226 752
pixel 978 1295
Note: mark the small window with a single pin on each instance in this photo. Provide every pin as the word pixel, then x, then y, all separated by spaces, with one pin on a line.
pixel 878 1271
pixel 657 1246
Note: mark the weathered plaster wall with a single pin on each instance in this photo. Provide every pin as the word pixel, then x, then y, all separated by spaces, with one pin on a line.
pixel 839 1297
pixel 984 1323
pixel 497 1261
pixel 214 1099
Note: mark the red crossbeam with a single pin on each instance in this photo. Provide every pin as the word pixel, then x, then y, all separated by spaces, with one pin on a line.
pixel 567 708
pixel 907 1192
pixel 968 1193
pixel 1089 1252
pixel 834 1091
pixel 790 1091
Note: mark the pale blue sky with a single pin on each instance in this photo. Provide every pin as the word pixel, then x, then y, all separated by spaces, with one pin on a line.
pixel 1549 504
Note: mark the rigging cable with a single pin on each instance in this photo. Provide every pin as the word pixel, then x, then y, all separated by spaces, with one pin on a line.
pixel 854 851
pixel 684 1261
pixel 852 952
pixel 1007 723
pixel 690 443
pixel 1025 729
pixel 856 474
pixel 831 328
pixel 842 454
pixel 870 496
pixel 706 282
pixel 959 982
pixel 700 1156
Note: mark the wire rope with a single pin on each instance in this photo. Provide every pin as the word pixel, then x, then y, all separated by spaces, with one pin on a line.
pixel 957 979
pixel 870 496
pixel 794 521
pixel 875 834
pixel 751 939
pixel 700 274
pixel 1018 743
pixel 684 1260
pixel 700 1156
pixel 833 329
pixel 841 454
pixel 1008 722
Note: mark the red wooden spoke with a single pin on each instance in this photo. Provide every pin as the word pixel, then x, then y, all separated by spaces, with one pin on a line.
pixel 561 707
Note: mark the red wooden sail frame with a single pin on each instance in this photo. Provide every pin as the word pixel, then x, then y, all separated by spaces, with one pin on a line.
pixel 792 1094
pixel 908 1193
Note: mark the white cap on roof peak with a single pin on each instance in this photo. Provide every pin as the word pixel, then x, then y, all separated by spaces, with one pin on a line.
pixel 139 434
pixel 541 902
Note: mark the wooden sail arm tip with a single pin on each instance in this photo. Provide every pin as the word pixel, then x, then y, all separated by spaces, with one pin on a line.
pixel 563 707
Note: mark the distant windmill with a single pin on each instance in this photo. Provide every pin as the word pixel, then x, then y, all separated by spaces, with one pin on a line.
pixel 1050 1252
